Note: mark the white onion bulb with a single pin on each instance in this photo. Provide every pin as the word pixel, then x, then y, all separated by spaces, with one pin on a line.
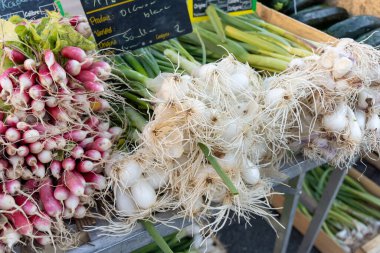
pixel 130 171
pixel 250 173
pixel 143 194
pixel 336 121
pixel 124 202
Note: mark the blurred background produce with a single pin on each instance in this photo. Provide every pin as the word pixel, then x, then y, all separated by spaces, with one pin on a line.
pixel 332 19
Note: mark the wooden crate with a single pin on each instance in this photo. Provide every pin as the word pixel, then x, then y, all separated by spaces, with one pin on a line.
pixel 372 246
pixel 323 242
pixel 292 25
pixel 358 7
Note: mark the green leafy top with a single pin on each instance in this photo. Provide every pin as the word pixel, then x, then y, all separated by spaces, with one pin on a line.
pixel 49 33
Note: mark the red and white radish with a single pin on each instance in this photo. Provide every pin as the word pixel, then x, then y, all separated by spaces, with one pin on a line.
pixel 12 186
pixel 10 236
pixel 61 193
pixel 26 80
pixel 101 144
pixel 7 202
pixel 15 55
pixel 43 239
pixel 76 135
pixel 37 92
pixel 41 222
pixel 72 202
pixel 55 168
pixel 74 53
pixel 44 77
pixel 36 147
pixel 12 135
pixel 31 136
pixel 39 170
pixel 20 222
pixel 22 151
pixel 77 152
pixel 94 155
pixel 26 204
pixel 98 181
pixel 31 160
pixel 50 144
pixel 73 67
pixel 68 164
pixel 74 182
pixel 93 86
pixel 85 166
pixel 58 74
pixel 30 64
pixel 45 156
pixel 80 212
pixel 51 206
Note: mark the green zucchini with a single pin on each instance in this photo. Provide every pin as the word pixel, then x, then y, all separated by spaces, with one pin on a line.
pixel 280 4
pixel 301 4
pixel 276 4
pixel 312 8
pixel 371 38
pixel 323 17
pixel 354 27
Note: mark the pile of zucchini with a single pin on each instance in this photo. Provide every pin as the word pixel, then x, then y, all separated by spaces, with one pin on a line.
pixel 335 21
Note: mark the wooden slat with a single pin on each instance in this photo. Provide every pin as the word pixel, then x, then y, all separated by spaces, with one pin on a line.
pixel 367 183
pixel 359 250
pixel 323 242
pixel 292 25
pixel 372 246
pixel 373 159
pixel 81 223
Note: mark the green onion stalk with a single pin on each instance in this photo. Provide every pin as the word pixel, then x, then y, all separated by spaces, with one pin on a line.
pixel 132 68
pixel 250 39
pixel 159 240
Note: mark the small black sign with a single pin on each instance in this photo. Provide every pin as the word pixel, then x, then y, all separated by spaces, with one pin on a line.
pixel 29 9
pixel 132 24
pixel 199 6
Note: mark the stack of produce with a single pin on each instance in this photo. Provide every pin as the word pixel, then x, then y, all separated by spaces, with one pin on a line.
pixel 200 152
pixel 336 21
pixel 312 107
pixel 304 104
pixel 354 216
pixel 204 139
pixel 364 29
pixel 326 96
pixel 55 132
pixel 250 39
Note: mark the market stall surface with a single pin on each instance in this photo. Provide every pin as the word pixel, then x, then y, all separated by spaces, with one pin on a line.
pixel 258 238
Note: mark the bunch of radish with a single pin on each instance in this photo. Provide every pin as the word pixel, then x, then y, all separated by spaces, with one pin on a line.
pixel 56 138
pixel 80 24
pixel 325 104
pixel 209 115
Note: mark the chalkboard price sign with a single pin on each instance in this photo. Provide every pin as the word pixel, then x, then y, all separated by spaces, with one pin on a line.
pixel 199 6
pixel 132 24
pixel 30 9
